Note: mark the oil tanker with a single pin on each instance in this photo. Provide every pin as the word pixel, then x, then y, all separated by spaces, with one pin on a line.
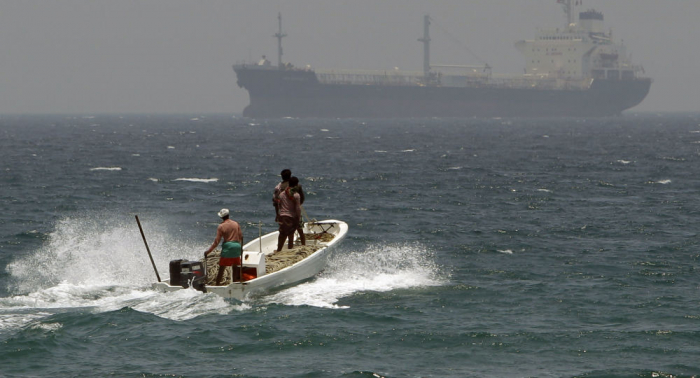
pixel 574 71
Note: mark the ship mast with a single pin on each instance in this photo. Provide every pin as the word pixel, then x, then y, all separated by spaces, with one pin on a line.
pixel 569 9
pixel 279 35
pixel 426 46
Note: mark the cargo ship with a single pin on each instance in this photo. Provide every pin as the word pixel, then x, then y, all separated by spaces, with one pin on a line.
pixel 573 71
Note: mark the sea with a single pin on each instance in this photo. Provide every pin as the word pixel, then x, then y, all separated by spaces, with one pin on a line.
pixel 501 247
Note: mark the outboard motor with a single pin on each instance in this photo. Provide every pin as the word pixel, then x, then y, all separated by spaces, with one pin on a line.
pixel 175 272
pixel 188 273
pixel 193 273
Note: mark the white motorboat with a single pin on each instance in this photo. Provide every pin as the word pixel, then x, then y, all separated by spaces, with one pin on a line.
pixel 264 269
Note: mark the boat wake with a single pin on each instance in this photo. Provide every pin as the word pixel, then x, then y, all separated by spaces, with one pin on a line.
pixel 379 268
pixel 96 251
pixel 87 264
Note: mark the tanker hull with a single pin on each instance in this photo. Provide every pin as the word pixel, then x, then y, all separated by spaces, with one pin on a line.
pixel 298 93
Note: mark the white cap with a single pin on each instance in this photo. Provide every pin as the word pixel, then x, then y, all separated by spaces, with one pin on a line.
pixel 223 213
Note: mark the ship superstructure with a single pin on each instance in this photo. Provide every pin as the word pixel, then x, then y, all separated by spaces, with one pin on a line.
pixel 579 51
pixel 576 70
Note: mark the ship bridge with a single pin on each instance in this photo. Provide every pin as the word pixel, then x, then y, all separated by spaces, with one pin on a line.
pixel 580 50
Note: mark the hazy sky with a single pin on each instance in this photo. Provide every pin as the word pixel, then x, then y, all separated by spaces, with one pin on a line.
pixel 165 56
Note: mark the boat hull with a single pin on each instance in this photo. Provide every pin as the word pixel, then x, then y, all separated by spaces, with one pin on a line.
pixel 301 271
pixel 298 93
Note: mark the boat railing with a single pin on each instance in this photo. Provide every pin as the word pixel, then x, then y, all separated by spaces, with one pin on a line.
pixel 414 78
pixel 538 82
pixel 439 78
pixel 358 77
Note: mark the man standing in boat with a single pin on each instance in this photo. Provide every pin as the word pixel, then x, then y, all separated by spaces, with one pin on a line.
pixel 289 210
pixel 280 188
pixel 230 231
pixel 286 175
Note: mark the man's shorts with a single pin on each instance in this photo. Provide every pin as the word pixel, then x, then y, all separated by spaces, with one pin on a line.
pixel 229 261
pixel 288 225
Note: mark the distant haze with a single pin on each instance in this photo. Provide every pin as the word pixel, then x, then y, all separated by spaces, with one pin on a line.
pixel 175 56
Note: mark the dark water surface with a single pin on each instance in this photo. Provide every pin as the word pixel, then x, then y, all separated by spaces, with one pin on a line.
pixel 477 248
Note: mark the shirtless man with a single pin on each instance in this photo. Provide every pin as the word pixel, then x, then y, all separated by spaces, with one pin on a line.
pixel 230 232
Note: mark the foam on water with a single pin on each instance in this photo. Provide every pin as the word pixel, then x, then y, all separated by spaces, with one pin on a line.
pixel 95 251
pixel 193 179
pixel 379 268
pixel 186 304
pixel 662 182
pixel 106 169
pixel 12 321
pixel 21 311
pixel 100 266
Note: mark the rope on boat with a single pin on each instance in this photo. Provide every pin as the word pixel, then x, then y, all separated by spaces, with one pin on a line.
pixel 212 263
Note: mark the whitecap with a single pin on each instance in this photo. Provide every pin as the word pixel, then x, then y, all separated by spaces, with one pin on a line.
pixel 197 179
pixel 505 251
pixel 106 169
pixel 49 327
pixel 624 161
pixel 19 320
pixel 544 190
